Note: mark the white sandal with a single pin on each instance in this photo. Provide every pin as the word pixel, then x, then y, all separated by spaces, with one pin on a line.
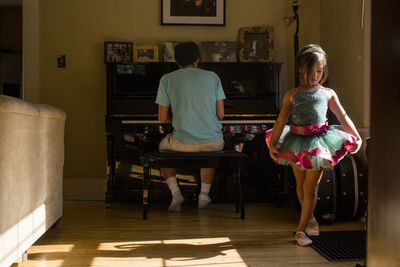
pixel 302 239
pixel 312 228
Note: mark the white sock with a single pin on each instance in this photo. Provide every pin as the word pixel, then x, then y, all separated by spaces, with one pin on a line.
pixel 204 199
pixel 173 185
pixel 177 197
pixel 205 189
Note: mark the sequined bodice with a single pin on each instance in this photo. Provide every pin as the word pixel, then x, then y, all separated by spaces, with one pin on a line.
pixel 309 108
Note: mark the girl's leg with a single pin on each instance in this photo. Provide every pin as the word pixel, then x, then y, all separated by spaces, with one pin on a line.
pixel 300 177
pixel 310 191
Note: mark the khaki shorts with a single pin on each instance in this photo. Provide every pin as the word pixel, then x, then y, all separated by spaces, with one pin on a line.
pixel 170 144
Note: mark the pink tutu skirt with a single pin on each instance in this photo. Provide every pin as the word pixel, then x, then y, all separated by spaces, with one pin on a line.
pixel 312 147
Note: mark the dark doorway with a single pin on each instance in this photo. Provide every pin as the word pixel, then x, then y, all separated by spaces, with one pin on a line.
pixel 11 49
pixel 384 178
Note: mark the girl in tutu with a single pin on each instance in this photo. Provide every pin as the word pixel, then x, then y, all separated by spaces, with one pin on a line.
pixel 309 144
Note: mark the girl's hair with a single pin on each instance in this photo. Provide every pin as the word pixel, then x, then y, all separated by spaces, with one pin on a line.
pixel 307 60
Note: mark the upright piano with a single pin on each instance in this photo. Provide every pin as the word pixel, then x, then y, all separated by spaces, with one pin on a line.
pixel 253 98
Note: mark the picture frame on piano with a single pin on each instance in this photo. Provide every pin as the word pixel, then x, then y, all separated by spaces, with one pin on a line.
pixel 117 52
pixel 145 53
pixel 193 12
pixel 218 51
pixel 168 51
pixel 256 44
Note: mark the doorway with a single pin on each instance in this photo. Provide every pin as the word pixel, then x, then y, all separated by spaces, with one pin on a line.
pixel 11 48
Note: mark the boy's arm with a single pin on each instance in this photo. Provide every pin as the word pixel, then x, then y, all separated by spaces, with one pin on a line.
pixel 164 114
pixel 220 109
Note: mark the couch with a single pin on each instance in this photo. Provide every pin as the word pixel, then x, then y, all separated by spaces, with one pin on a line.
pixel 31 173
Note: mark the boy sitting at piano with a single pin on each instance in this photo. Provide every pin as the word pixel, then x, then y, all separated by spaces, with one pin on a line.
pixel 192 100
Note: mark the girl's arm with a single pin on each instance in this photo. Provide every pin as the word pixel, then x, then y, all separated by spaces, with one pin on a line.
pixel 279 124
pixel 344 119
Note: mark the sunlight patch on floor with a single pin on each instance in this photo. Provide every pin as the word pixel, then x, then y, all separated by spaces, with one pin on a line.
pixel 46 255
pixel 179 252
pixel 51 248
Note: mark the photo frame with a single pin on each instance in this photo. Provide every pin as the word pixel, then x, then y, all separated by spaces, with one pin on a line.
pixel 218 51
pixel 193 12
pixel 256 44
pixel 145 53
pixel 117 52
pixel 168 51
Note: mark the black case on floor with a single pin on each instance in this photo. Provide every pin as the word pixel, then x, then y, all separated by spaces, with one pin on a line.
pixel 327 201
pixel 352 188
pixel 342 191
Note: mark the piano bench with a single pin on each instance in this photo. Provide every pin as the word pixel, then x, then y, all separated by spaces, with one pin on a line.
pixel 172 159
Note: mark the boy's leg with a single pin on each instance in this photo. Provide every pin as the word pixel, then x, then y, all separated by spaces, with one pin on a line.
pixel 167 143
pixel 177 198
pixel 207 175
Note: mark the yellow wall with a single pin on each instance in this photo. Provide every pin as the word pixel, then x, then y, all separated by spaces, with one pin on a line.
pixel 78 29
pixel 342 37
pixel 30 50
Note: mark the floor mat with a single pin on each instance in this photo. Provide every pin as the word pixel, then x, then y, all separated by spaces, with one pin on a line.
pixel 341 245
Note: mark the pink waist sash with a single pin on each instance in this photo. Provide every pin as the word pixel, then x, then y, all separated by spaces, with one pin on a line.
pixel 314 130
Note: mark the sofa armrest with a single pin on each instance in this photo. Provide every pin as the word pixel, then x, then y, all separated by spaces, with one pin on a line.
pixel 31 171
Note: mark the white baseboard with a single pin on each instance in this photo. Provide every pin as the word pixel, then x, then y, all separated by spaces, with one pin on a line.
pixel 84 189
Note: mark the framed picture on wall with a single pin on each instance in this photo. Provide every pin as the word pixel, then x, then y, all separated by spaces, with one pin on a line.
pixel 256 44
pixel 218 51
pixel 145 53
pixel 193 12
pixel 117 52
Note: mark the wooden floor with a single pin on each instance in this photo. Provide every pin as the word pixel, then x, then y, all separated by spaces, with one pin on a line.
pixel 88 234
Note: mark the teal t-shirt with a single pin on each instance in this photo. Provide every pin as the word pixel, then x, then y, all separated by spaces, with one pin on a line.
pixel 192 93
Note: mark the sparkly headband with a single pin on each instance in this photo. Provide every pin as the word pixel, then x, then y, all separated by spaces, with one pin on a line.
pixel 313 49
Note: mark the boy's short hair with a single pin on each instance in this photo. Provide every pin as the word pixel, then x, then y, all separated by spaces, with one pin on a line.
pixel 186 53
